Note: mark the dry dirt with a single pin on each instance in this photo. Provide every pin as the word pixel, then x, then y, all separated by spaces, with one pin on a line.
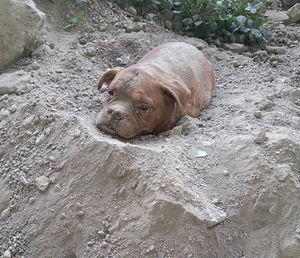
pixel 225 184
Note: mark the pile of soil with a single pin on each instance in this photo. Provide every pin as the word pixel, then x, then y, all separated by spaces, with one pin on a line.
pixel 225 184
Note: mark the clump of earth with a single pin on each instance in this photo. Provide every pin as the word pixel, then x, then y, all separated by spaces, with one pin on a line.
pixel 224 184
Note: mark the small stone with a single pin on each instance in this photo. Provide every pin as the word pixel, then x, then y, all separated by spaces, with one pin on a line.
pixel 28 123
pixel 31 200
pixel 42 183
pixel 44 121
pixel 168 15
pixel 104 244
pixel 277 16
pixel 24 180
pixel 101 233
pixel 90 243
pixel 177 23
pixel 261 137
pixel 271 78
pixel 226 173
pixel 80 214
pixel 77 133
pixel 35 65
pixel 258 114
pixel 282 176
pixel 51 45
pixel 256 59
pixel 5 214
pixel 177 130
pixel 40 51
pixel 276 50
pixel 132 11
pixel 91 51
pixel 168 24
pixel 201 154
pixel 13 109
pixel 7 254
pixel 83 40
pixel 235 47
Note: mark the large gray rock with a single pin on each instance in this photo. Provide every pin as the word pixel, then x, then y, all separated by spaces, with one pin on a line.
pixel 21 25
pixel 294 13
pixel 11 83
pixel 289 3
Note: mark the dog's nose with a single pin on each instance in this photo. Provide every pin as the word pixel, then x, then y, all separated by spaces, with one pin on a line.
pixel 116 114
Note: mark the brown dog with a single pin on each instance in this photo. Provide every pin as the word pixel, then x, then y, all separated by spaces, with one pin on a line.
pixel 172 80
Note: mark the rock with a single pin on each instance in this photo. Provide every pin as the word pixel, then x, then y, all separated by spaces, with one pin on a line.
pixel 26 23
pixel 258 114
pixel 290 247
pixel 35 65
pixel 177 130
pixel 277 16
pixel 91 51
pixel 40 51
pixel 235 47
pixel 177 23
pixel 7 254
pixel 14 82
pixel 136 27
pixel 276 50
pixel 289 3
pixel 261 137
pixel 294 13
pixel 168 24
pixel 42 183
pixel 132 11
pixel 28 123
pixel 4 196
pixel 168 15
pixel 5 214
pixel 201 154
pixel 262 54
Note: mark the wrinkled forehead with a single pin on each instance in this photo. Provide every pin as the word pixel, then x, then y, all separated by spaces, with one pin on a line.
pixel 127 81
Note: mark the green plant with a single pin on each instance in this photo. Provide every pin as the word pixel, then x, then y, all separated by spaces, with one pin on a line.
pixel 214 20
pixel 74 21
pixel 224 20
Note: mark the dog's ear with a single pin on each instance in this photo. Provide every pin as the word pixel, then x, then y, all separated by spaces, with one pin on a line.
pixel 179 92
pixel 108 76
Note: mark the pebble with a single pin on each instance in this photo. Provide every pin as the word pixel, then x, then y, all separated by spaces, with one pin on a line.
pixel 24 180
pixel 42 183
pixel 235 47
pixel 168 24
pixel 201 154
pixel 28 123
pixel 76 133
pixel 7 254
pixel 35 65
pixel 276 50
pixel 258 114
pixel 226 173
pixel 91 51
pixel 101 233
pixel 294 13
pixel 5 214
pixel 132 11
pixel 261 137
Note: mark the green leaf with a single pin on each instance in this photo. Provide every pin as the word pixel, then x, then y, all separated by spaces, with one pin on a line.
pixel 197 23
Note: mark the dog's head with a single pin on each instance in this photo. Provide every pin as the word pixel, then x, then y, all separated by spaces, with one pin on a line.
pixel 139 104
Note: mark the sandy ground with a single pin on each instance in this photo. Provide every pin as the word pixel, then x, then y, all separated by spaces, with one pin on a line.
pixel 225 184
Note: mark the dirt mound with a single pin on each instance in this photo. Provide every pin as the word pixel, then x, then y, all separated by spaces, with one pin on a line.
pixel 225 184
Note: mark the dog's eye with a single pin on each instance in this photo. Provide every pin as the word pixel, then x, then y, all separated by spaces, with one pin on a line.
pixel 142 107
pixel 111 92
